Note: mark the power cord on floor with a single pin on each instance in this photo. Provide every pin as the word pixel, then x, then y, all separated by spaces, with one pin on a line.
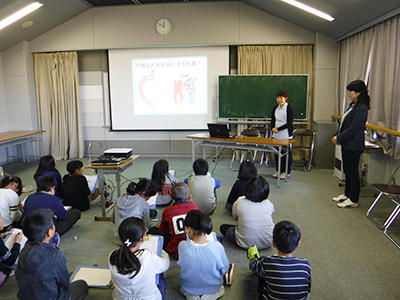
pixel 216 160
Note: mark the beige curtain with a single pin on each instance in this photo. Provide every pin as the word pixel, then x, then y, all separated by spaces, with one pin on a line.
pixel 285 59
pixel 374 56
pixel 354 64
pixel 57 96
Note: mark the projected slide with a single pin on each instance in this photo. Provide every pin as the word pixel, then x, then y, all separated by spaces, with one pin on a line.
pixel 170 88
pixel 170 85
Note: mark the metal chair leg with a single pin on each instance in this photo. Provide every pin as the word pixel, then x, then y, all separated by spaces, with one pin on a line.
pixel 370 209
pixel 393 217
pixel 266 159
pixel 262 158
pixel 255 154
pixel 311 158
pixel 233 157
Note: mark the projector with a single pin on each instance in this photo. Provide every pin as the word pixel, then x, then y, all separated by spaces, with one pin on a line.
pixel 118 152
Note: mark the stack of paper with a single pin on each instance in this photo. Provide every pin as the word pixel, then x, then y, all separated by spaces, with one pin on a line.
pixel 94 276
pixel 92 182
pixel 9 240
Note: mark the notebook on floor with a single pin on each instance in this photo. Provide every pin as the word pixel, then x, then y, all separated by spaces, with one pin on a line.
pixel 94 276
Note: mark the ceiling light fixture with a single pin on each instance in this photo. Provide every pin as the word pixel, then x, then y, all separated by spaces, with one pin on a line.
pixel 19 14
pixel 310 9
pixel 27 24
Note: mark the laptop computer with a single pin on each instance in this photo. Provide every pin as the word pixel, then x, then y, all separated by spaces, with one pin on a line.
pixel 103 160
pixel 219 131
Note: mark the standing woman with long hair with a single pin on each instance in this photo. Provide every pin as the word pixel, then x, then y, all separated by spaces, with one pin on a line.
pixel 351 138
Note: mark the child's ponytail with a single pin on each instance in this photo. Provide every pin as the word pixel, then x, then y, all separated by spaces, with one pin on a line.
pixel 130 232
pixel 198 221
pixel 131 189
pixel 144 185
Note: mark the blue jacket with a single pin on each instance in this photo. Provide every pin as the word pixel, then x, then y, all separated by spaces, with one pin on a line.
pixel 57 176
pixel 351 135
pixel 43 200
pixel 42 273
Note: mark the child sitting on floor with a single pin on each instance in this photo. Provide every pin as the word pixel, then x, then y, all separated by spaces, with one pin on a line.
pixel 47 167
pixel 42 269
pixel 202 187
pixel 172 219
pixel 134 270
pixel 164 181
pixel 134 204
pixel 45 198
pixel 282 276
pixel 10 207
pixel 76 190
pixel 253 213
pixel 247 172
pixel 8 257
pixel 203 263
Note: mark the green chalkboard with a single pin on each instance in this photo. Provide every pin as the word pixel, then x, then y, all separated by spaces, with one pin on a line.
pixel 253 96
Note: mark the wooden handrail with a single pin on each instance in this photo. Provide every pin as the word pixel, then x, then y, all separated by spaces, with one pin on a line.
pixel 373 127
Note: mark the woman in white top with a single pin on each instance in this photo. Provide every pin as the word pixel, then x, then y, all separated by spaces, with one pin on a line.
pixel 134 270
pixel 282 128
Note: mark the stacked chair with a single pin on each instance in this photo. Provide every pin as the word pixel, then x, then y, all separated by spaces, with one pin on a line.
pixel 389 191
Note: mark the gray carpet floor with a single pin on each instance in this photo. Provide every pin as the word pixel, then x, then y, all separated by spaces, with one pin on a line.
pixel 349 256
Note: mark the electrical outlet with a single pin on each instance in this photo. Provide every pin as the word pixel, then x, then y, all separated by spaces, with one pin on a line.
pixel 364 167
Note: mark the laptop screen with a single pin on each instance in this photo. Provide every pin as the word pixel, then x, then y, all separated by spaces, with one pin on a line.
pixel 218 130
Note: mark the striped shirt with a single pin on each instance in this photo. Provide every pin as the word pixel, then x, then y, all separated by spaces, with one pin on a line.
pixel 9 211
pixel 284 277
pixel 172 222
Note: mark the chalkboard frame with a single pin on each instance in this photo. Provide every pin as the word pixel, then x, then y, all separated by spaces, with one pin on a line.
pixel 267 117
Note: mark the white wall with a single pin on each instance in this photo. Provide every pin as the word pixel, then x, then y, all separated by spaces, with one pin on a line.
pixel 326 51
pixel 3 99
pixel 4 108
pixel 19 87
pixel 17 99
pixel 210 23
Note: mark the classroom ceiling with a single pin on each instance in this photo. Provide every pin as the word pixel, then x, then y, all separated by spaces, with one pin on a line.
pixel 349 14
